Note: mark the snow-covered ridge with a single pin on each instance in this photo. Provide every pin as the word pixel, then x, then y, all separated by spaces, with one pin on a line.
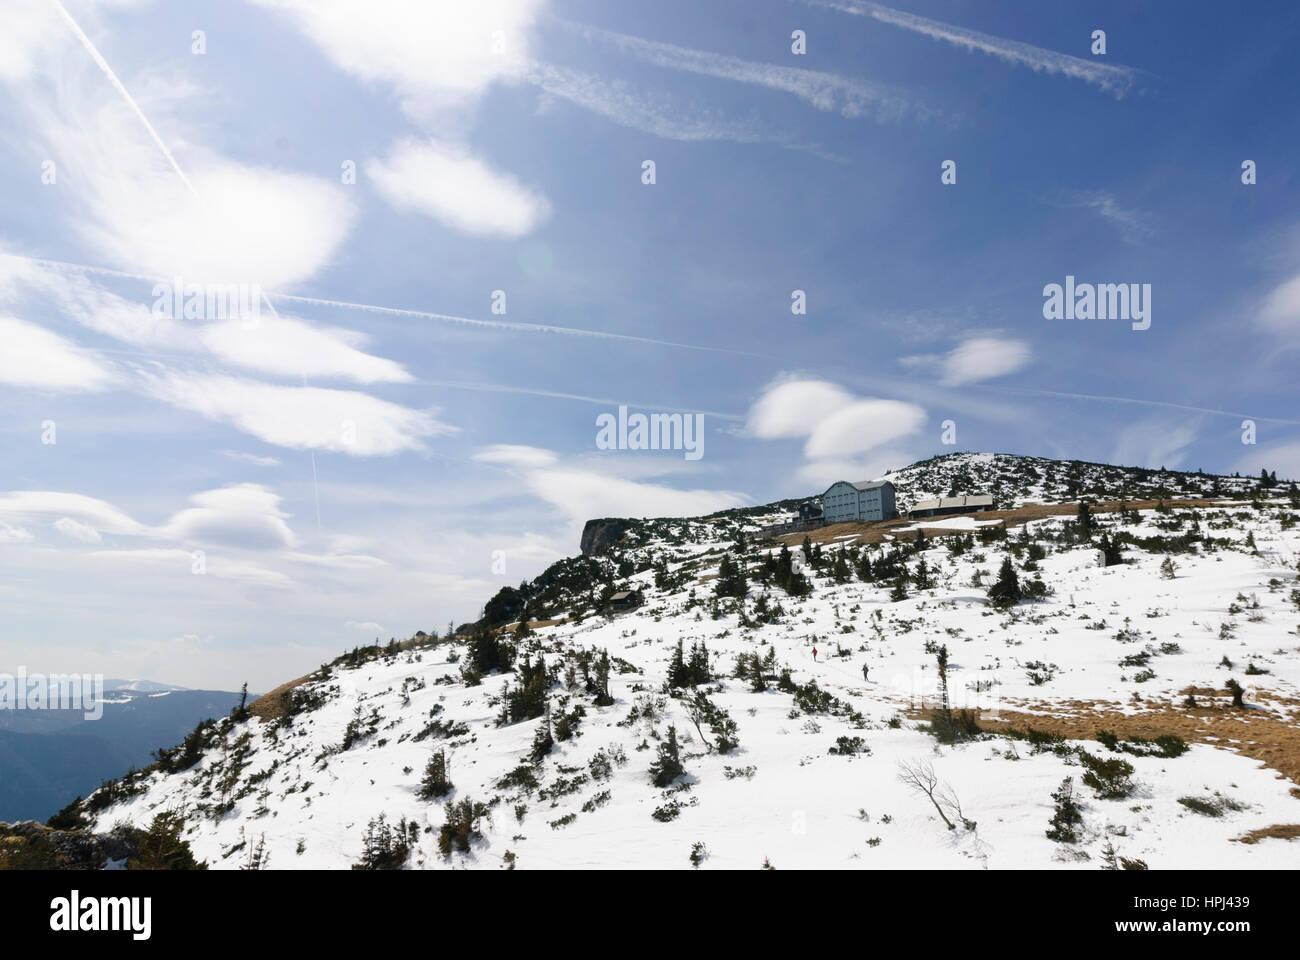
pixel 1205 593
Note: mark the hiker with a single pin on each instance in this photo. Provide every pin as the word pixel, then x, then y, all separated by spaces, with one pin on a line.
pixel 814 654
pixel 864 672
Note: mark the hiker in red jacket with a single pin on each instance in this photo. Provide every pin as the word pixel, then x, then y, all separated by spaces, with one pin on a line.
pixel 814 654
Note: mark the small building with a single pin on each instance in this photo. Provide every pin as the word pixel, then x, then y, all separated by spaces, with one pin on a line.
pixel 948 506
pixel 810 511
pixel 870 500
pixel 625 600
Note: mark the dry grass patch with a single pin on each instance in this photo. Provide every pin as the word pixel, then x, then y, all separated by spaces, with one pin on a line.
pixel 1271 739
pixel 1279 831
pixel 275 704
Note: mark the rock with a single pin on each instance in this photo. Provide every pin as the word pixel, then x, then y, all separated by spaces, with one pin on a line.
pixel 28 845
pixel 599 535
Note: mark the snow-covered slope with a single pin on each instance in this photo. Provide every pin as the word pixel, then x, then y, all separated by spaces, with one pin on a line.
pixel 815 780
pixel 1017 480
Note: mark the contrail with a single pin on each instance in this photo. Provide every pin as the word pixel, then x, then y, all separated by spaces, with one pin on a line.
pixel 112 77
pixel 512 325
pixel 508 325
pixel 421 314
pixel 1150 403
pixel 825 91
pixel 555 395
pixel 126 95
pixel 1115 80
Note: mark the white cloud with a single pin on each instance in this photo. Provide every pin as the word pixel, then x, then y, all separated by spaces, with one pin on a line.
pixel 434 54
pixel 300 418
pixel 1133 225
pixel 34 357
pixel 12 534
pixel 1154 442
pixel 820 474
pixel 237 224
pixel 844 432
pixel 338 561
pixel 366 626
pixel 181 562
pixel 515 455
pixel 862 425
pixel 287 346
pixel 983 358
pixel 91 305
pixel 96 513
pixel 794 408
pixel 245 515
pixel 77 530
pixel 250 458
pixel 583 495
pixel 1281 311
pixel 247 225
pixel 444 181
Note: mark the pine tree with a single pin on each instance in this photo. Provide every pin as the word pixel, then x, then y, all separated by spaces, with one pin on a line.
pixel 1006 591
pixel 840 568
pixel 1066 816
pixel 601 684
pixel 1110 552
pixel 922 576
pixel 436 782
pixel 798 585
pixel 678 674
pixel 1084 522
pixel 807 549
pixel 899 592
pixel 757 676
pixel 784 568
pixel 865 572
pixel 667 765
pixel 697 670
pixel 725 585
pixel 543 742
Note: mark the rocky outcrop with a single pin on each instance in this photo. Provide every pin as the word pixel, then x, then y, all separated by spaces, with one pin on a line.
pixel 599 535
pixel 28 845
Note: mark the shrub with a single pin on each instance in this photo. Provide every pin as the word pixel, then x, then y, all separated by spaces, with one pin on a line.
pixel 1237 692
pixel 1214 806
pixel 1110 777
pixel 1066 818
pixel 161 847
pixel 699 853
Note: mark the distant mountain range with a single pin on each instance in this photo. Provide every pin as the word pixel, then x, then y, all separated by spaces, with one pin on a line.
pixel 50 757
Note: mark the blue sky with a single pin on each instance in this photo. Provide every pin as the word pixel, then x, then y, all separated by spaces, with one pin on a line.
pixel 338 472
